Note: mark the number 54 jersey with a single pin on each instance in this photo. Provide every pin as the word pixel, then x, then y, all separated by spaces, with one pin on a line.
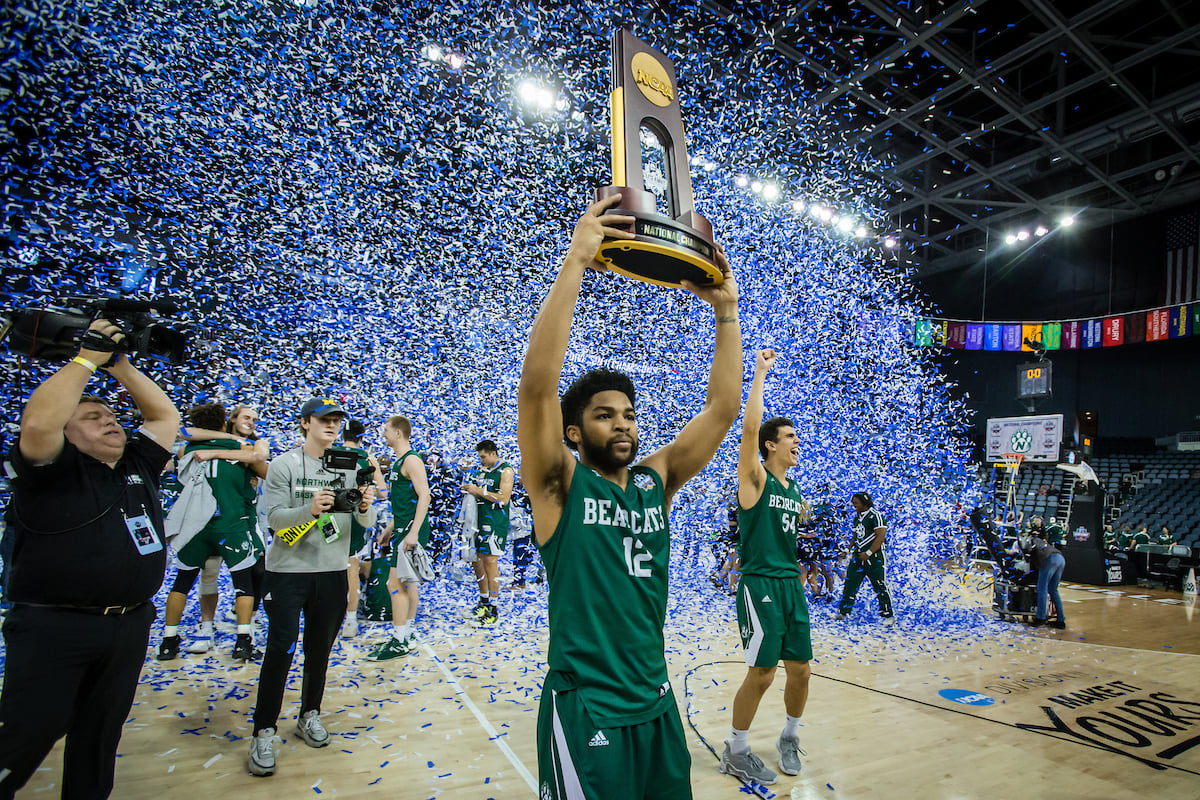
pixel 606 564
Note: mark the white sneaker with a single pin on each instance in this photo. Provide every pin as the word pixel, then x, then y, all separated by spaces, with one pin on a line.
pixel 262 753
pixel 839 616
pixel 349 627
pixel 311 730
pixel 888 620
pixel 200 645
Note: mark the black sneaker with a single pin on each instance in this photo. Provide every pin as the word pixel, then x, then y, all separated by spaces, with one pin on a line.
pixel 169 648
pixel 243 649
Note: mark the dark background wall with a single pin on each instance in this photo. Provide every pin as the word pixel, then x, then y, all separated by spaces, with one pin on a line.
pixel 1068 274
pixel 1139 390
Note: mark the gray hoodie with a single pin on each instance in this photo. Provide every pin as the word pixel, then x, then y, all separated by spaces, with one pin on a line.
pixel 292 480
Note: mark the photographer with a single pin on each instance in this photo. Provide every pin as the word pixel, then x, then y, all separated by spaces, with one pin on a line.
pixel 306 571
pixel 87 521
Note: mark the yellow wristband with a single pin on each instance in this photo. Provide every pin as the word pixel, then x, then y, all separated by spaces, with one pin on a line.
pixel 84 362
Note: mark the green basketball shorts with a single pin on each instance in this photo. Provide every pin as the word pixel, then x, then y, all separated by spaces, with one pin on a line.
pixel 773 620
pixel 581 760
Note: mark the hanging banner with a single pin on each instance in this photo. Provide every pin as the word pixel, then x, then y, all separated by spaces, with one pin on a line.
pixel 1181 322
pixel 993 337
pixel 956 338
pixel 1012 337
pixel 1031 333
pixel 1135 328
pixel 1052 335
pixel 1158 323
pixel 1114 331
pixel 1092 333
pixel 1195 315
pixel 1072 335
pixel 924 337
pixel 974 336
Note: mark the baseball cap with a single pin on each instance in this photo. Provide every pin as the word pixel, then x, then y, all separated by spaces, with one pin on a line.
pixel 320 407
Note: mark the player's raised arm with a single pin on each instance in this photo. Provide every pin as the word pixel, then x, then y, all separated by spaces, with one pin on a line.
pixel 698 441
pixel 750 471
pixel 545 459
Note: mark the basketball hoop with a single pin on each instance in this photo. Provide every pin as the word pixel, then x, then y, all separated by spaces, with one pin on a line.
pixel 1012 461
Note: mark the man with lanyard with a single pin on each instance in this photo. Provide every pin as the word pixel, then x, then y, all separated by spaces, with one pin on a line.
pixel 867 559
pixel 306 572
pixel 88 556
pixel 409 527
pixel 492 493
pixel 229 533
pixel 772 611
pixel 353 437
pixel 608 723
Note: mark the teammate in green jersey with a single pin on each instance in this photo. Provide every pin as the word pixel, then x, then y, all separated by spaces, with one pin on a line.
pixel 229 532
pixel 608 723
pixel 408 528
pixel 772 611
pixel 867 559
pixel 492 494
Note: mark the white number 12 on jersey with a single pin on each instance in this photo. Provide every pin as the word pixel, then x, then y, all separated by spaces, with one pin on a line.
pixel 634 563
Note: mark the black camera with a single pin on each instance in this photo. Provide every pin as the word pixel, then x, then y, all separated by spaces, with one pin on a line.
pixel 55 333
pixel 345 501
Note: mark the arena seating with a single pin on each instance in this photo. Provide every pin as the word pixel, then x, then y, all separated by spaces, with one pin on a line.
pixel 1167 493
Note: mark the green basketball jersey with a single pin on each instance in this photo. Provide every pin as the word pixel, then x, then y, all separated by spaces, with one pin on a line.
pixel 493 513
pixel 1055 534
pixel 864 529
pixel 230 484
pixel 607 568
pixel 404 502
pixel 767 531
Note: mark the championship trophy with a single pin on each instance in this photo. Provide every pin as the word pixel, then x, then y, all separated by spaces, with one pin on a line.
pixel 669 248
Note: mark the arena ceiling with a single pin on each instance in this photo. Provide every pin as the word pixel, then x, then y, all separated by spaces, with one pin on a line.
pixel 994 116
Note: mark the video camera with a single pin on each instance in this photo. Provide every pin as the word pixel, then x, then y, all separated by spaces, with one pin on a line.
pixel 346 500
pixel 55 333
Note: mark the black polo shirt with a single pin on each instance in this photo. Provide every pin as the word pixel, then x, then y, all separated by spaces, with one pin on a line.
pixel 73 545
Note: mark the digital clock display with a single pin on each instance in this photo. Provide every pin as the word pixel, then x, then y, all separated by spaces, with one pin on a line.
pixel 1033 380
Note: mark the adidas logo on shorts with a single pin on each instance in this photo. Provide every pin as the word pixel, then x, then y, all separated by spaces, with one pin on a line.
pixel 598 740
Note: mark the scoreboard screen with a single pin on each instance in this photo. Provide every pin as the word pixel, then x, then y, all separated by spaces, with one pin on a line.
pixel 1033 380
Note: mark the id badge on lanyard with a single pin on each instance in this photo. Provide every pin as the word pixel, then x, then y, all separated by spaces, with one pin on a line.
pixel 141 530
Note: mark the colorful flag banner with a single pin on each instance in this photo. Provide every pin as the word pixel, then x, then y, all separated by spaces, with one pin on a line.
pixel 1114 331
pixel 993 337
pixel 1157 324
pixel 1031 333
pixel 1092 333
pixel 1052 335
pixel 1072 335
pixel 974 336
pixel 1012 337
pixel 1181 322
pixel 957 336
pixel 1135 328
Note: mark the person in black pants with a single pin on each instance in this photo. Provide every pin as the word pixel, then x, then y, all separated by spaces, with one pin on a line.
pixel 87 528
pixel 306 572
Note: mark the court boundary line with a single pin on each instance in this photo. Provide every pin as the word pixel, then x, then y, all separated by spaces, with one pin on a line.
pixel 1012 725
pixel 484 723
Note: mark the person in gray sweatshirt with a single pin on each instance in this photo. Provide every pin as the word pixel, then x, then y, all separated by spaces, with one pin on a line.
pixel 306 572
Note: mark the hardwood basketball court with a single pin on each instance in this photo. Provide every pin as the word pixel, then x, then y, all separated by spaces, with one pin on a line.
pixel 1108 708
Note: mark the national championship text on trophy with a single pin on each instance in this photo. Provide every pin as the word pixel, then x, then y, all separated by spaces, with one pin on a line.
pixel 678 245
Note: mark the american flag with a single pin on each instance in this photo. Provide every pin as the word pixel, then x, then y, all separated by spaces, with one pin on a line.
pixel 1183 259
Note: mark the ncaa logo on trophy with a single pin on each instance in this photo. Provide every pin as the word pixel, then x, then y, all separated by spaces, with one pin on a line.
pixel 672 243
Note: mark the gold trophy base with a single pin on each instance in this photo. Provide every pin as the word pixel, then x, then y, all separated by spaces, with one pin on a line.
pixel 664 251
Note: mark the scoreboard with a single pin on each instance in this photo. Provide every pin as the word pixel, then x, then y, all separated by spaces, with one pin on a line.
pixel 1033 380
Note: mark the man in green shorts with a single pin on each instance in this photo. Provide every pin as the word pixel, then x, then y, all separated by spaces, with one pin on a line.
pixel 867 559
pixel 492 495
pixel 608 724
pixel 772 611
pixel 353 439
pixel 219 468
pixel 408 528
